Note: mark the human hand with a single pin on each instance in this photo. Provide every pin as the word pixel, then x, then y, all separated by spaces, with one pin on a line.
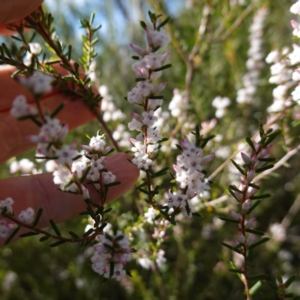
pixel 39 191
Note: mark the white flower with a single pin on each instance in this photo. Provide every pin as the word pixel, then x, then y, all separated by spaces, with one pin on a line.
pixel 66 154
pixel 108 177
pixel 295 8
pixel 62 176
pixel 142 161
pixel 148 118
pixel 26 216
pixel 35 48
pixel 157 38
pixel 20 108
pixel 273 57
pixel 295 55
pixel 24 166
pixel 7 203
pixel 135 125
pixel 6 228
pixel 153 135
pixel 112 251
pixel 38 83
pixel 296 93
pixel 150 215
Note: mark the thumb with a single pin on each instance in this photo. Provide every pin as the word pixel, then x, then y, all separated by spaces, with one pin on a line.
pixel 15 10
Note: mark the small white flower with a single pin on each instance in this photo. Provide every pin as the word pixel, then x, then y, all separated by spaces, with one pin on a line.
pixel 142 161
pixel 295 8
pixel 38 83
pixel 26 216
pixel 66 154
pixel 20 108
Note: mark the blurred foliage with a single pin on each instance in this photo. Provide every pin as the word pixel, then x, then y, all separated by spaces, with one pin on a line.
pixel 197 265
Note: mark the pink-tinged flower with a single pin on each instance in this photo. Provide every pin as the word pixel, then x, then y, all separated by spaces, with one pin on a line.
pixel 135 125
pixel 157 39
pixel 246 158
pixel 66 154
pixel 7 203
pixel 241 238
pixel 6 228
pixel 296 26
pixel 137 49
pixel 234 215
pixel 250 239
pixel 250 223
pixel 246 205
pixel 26 216
pixel 38 83
pixel 159 88
pixel 20 108
pixel 142 161
pixel 85 192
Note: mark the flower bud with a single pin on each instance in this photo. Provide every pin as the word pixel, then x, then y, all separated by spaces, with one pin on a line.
pixel 241 238
pixel 246 158
pixel 234 215
pixel 246 205
pixel 250 175
pixel 250 239
pixel 250 223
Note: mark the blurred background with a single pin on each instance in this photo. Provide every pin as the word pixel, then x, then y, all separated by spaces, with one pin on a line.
pixel 219 79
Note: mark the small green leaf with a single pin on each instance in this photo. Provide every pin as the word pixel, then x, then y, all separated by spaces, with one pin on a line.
pixel 236 271
pixel 250 143
pixel 55 227
pixel 256 203
pixel 257 276
pixel 255 287
pixel 44 238
pixel 73 235
pixel 289 281
pixel 31 233
pixel 261 241
pixel 85 174
pixel 196 214
pixel 12 236
pixel 57 110
pixel 128 273
pixel 263 196
pixel 163 23
pixel 57 244
pixel 167 66
pixel 258 232
pixel 264 168
pixel 228 220
pixel 143 24
pixel 238 167
pixel 112 184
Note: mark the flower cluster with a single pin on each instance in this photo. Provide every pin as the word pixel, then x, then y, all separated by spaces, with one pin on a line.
pixel 255 56
pixel 110 112
pixel 281 75
pixel 295 55
pixel 6 209
pixel 189 177
pixel 20 108
pixel 147 68
pixel 38 83
pixel 111 255
pixel 89 165
pixel 220 103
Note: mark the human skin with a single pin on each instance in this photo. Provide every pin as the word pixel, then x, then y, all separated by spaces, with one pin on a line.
pixel 39 191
